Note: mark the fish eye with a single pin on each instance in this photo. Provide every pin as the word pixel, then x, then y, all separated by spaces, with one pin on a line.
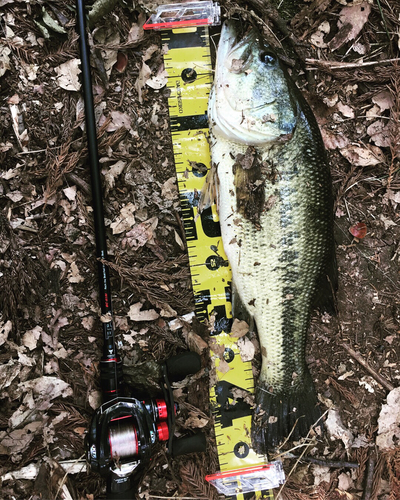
pixel 267 57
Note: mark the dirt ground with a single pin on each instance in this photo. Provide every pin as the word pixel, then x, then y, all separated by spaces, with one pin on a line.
pixel 344 56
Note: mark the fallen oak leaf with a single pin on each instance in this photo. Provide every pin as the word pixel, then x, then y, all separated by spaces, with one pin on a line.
pixel 118 120
pixel 141 234
pixel 351 21
pixel 239 328
pixel 363 156
pixel 67 75
pixel 135 313
pixel 195 421
pixel 358 230
pixel 159 80
pixel 122 62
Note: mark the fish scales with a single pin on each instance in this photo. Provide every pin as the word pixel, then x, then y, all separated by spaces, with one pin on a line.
pixel 280 254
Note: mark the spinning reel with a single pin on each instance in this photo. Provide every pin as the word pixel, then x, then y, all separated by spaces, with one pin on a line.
pixel 123 431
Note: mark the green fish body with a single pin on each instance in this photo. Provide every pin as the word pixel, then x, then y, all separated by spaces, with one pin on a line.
pixel 275 206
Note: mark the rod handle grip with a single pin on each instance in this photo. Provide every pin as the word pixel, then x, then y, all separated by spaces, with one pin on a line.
pixel 189 444
pixel 183 364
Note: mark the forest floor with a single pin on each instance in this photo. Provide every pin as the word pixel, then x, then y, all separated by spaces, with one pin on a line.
pixel 345 58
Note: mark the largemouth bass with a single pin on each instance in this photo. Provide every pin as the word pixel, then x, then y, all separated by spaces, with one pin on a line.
pixel 274 199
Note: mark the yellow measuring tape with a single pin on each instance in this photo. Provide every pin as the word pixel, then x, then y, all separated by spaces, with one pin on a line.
pixel 188 64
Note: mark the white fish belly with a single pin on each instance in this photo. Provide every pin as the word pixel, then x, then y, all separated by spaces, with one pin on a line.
pixel 275 266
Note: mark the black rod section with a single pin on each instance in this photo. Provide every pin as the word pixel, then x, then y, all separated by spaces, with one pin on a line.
pixel 110 365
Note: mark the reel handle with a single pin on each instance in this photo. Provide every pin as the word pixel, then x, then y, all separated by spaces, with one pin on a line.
pixel 189 444
pixel 183 364
pixel 121 491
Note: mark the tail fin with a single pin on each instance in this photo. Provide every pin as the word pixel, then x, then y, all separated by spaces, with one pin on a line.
pixel 276 415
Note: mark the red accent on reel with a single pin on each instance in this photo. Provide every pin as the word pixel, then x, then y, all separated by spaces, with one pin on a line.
pixel 162 409
pixel 163 431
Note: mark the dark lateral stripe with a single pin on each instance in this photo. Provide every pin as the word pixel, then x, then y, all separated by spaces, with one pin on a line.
pixel 194 122
pixel 182 40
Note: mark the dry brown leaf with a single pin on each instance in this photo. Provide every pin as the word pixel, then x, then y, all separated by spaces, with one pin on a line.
pixel 136 33
pixel 68 75
pixel 141 234
pixel 49 387
pixel 135 313
pixel 118 120
pixel 239 328
pixel 113 172
pixel 195 421
pixel 94 399
pixel 20 133
pixel 148 53
pixel 125 220
pixel 144 75
pixel 108 38
pixel 384 100
pixel 317 38
pixel 166 310
pixel 70 192
pixel 195 342
pixel 363 156
pixel 345 110
pixel 31 337
pixel 223 366
pixel 333 140
pixel 169 189
pixel 380 133
pixel 351 21
pixel 393 196
pixel 389 421
pixel 5 52
pixel 178 240
pixel 5 329
pixel 18 440
pixel 9 372
pixel 337 430
pixel 159 80
pixel 246 349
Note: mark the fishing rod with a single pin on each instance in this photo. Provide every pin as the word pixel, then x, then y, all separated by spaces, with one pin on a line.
pixel 110 364
pixel 124 430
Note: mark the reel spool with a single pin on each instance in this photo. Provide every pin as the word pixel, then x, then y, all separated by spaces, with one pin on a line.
pixel 123 431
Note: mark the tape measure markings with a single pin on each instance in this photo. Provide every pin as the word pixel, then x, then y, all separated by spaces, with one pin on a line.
pixel 210 270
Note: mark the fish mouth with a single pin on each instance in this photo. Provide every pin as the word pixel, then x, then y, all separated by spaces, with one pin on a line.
pixel 252 116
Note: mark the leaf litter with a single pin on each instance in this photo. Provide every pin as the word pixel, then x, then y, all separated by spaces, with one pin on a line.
pixel 50 341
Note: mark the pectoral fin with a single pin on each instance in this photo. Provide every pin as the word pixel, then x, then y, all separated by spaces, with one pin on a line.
pixel 239 310
pixel 208 195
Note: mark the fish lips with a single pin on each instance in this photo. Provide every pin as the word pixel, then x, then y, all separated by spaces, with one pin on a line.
pixel 255 117
pixel 258 126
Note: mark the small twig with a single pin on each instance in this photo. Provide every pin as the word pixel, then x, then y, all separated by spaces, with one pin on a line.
pixel 178 498
pixel 64 479
pixel 341 65
pixel 377 376
pixel 370 477
pixel 79 182
pixel 326 463
pixel 300 456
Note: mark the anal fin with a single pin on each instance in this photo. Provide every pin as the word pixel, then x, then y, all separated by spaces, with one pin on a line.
pixel 279 415
pixel 325 298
